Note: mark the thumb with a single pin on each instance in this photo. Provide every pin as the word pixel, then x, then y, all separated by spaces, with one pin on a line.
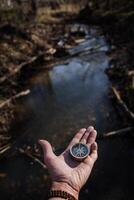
pixel 47 150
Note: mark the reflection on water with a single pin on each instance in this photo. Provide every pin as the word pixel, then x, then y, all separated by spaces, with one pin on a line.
pixel 62 100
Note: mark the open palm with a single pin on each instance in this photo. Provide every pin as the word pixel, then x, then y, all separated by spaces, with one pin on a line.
pixel 64 168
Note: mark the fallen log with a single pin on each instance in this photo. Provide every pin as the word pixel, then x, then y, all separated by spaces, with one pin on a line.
pixel 120 132
pixel 8 101
pixel 122 103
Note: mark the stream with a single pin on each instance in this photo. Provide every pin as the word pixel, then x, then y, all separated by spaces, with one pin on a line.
pixel 70 96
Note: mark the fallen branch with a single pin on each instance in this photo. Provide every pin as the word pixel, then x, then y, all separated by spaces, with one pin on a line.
pixel 2 137
pixel 20 67
pixel 13 144
pixel 122 103
pixel 64 60
pixel 5 148
pixel 120 132
pixel 8 101
pixel 131 73
pixel 86 50
pixel 35 159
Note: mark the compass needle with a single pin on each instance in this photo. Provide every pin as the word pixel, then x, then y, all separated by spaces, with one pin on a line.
pixel 79 151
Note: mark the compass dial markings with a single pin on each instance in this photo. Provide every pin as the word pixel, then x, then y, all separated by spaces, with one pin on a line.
pixel 79 150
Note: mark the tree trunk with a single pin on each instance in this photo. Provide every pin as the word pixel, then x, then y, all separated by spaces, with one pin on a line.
pixel 34 7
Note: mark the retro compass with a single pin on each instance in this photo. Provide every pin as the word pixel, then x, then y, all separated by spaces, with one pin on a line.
pixel 79 151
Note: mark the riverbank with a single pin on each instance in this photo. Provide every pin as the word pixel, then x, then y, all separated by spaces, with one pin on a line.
pixel 23 49
pixel 116 20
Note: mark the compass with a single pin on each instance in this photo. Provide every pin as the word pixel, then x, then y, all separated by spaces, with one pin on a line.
pixel 79 151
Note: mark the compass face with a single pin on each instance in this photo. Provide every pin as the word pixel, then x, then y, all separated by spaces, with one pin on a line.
pixel 79 151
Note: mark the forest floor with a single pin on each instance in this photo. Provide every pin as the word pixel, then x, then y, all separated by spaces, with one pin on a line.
pixel 121 71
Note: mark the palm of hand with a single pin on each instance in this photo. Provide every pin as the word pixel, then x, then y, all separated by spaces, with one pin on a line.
pixel 64 168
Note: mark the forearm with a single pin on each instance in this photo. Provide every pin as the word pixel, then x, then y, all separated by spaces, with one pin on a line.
pixel 59 186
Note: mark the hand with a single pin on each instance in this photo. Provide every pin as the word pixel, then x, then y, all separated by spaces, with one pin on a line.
pixel 64 170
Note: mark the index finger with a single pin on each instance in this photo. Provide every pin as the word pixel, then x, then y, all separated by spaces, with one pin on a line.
pixel 77 137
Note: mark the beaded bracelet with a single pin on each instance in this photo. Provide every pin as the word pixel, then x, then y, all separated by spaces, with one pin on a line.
pixel 61 194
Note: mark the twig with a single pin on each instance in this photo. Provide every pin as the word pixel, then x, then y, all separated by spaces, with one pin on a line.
pixel 122 103
pixel 32 157
pixel 2 137
pixel 12 145
pixel 8 101
pixel 22 65
pixel 131 73
pixel 119 132
pixel 5 148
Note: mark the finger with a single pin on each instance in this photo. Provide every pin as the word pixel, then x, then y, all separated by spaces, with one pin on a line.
pixel 94 151
pixel 86 134
pixel 90 160
pixel 77 137
pixel 47 150
pixel 92 137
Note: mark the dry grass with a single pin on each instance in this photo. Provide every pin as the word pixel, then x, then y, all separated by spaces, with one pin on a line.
pixel 47 14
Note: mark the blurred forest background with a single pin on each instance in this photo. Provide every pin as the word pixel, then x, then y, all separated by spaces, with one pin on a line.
pixel 35 36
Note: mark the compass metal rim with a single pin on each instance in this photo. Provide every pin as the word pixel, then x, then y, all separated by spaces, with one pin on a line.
pixel 76 157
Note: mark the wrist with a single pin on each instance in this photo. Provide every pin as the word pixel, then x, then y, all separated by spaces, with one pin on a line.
pixel 65 187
